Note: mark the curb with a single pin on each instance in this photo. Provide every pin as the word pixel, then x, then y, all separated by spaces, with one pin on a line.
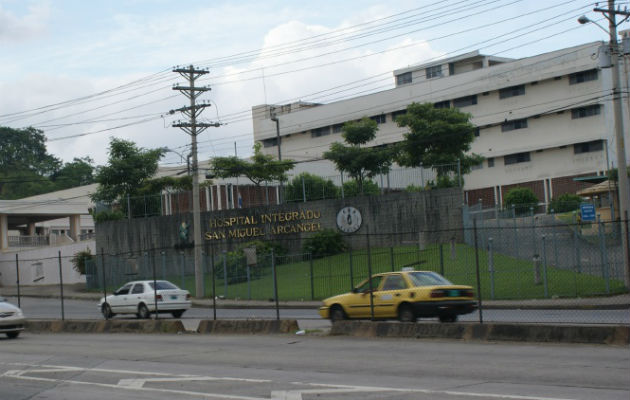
pixel 608 335
pixel 248 326
pixel 111 326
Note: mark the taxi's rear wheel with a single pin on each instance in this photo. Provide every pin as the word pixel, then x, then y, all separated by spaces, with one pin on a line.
pixel 448 318
pixel 406 314
pixel 143 312
pixel 13 335
pixel 177 314
pixel 337 313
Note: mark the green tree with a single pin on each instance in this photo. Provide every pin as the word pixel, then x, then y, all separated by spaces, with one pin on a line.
pixel 352 188
pixel 315 188
pixel 261 168
pixel 327 242
pixel 436 136
pixel 355 157
pixel 79 172
pixel 25 165
pixel 565 203
pixel 521 198
pixel 128 169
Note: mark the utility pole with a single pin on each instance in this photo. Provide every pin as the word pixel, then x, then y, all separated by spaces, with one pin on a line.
pixel 275 119
pixel 194 128
pixel 622 175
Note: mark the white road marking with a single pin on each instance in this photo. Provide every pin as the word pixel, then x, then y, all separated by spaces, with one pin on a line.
pixel 138 384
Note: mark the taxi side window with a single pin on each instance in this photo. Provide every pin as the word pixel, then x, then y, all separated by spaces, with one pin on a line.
pixel 394 282
pixel 139 288
pixel 365 287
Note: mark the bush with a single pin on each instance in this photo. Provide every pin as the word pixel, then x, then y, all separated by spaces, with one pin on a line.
pixel 351 188
pixel 414 189
pixel 444 181
pixel 315 188
pixel 80 259
pixel 325 243
pixel 565 203
pixel 103 216
pixel 521 198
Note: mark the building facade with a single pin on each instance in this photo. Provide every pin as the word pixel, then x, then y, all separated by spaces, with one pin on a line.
pixel 543 122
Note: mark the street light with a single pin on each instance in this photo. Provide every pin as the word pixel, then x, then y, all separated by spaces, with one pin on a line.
pixel 622 175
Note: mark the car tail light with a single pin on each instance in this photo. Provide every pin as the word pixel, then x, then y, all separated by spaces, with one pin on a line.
pixel 437 293
pixel 468 293
pixel 187 296
pixel 158 297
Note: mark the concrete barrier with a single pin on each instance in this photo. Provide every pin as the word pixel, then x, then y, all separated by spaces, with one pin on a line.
pixel 248 326
pixel 611 335
pixel 110 326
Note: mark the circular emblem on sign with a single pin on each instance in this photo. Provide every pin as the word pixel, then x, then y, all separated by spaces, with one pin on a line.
pixel 349 219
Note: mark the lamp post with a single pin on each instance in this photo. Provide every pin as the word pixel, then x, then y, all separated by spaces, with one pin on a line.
pixel 622 175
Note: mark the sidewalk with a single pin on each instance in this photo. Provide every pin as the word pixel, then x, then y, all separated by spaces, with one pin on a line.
pixel 79 292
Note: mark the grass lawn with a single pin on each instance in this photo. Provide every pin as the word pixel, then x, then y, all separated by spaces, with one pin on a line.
pixel 511 279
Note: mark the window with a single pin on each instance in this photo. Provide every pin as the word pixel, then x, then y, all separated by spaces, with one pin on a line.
pixel 403 78
pixel 364 287
pixel 584 76
pixel 587 147
pixel 138 288
pixel 442 104
pixel 465 101
pixel 512 91
pixel 477 166
pixel 123 290
pixel 516 158
pixel 337 128
pixel 394 282
pixel 490 162
pixel 434 72
pixel 317 132
pixel 584 112
pixel 270 142
pixel 477 131
pixel 380 119
pixel 396 114
pixel 513 125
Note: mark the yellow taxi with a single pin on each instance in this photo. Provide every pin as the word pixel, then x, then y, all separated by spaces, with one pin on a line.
pixel 406 295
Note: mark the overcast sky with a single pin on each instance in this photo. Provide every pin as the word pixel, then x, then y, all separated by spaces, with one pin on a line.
pixel 86 71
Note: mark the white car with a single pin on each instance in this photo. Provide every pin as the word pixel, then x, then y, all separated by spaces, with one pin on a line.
pixel 11 319
pixel 139 297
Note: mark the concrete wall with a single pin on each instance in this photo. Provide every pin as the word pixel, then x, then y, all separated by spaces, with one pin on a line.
pixel 433 216
pixel 40 266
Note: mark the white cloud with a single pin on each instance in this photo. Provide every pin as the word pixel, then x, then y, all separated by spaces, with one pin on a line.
pixel 17 28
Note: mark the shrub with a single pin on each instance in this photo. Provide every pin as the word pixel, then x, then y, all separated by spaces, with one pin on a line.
pixel 565 203
pixel 80 259
pixel 521 198
pixel 325 243
pixel 351 188
pixel 315 188
pixel 444 181
pixel 103 216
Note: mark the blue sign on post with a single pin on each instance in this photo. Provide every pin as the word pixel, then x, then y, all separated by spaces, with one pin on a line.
pixel 587 212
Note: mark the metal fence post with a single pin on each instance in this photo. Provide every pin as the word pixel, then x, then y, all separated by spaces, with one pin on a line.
pixel 477 269
pixel 303 190
pixel 310 262
pixel 63 315
pixel 441 259
pixel 163 254
pixel 342 192
pixel 515 232
pixel 128 207
pixel 555 239
pixel 491 267
pixel 351 268
pixel 391 257
pixel 369 255
pixel 183 269
pixel 225 275
pixel 214 287
pixel 104 283
pixel 155 288
pixel 602 254
pixel 275 283
pixel 249 281
pixel 17 281
pixel 544 254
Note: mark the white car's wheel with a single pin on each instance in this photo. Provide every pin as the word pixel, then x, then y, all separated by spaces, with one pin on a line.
pixel 143 312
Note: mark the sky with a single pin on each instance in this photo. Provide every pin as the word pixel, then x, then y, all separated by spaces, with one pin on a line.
pixel 87 71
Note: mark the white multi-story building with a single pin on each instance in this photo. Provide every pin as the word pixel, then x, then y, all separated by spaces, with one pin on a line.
pixel 543 121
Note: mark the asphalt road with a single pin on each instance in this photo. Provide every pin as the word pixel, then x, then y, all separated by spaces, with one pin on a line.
pixel 290 367
pixel 81 309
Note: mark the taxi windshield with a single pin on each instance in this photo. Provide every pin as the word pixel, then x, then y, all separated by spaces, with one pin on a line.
pixel 419 278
